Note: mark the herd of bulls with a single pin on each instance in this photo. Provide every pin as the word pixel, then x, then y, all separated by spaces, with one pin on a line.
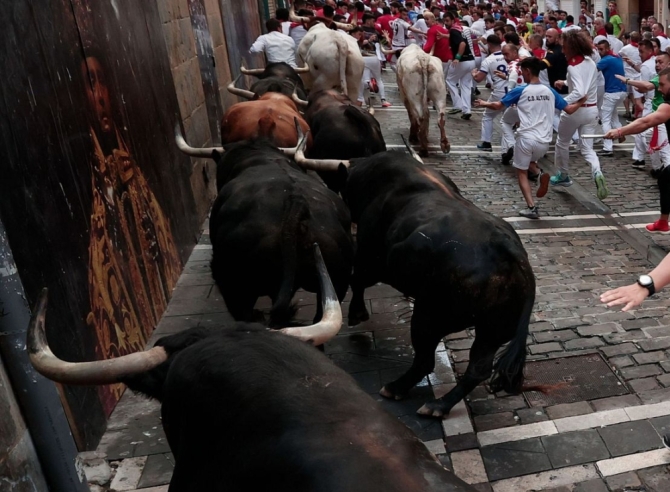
pixel 249 407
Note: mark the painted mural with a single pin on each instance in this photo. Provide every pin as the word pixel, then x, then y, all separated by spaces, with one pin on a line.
pixel 95 197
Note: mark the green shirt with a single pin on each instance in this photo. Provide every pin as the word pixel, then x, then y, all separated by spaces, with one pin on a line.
pixel 658 95
pixel 616 22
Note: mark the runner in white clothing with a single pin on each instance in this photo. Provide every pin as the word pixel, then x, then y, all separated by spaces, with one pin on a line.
pixel 277 47
pixel 631 58
pixel 582 81
pixel 492 66
pixel 535 103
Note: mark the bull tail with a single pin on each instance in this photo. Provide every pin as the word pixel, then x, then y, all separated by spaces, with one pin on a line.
pixel 294 227
pixel 508 369
pixel 343 51
pixel 266 127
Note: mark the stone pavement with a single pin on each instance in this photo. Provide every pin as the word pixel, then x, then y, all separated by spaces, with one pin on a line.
pixel 499 442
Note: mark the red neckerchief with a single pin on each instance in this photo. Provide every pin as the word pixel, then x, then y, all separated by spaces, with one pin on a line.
pixel 569 24
pixel 575 60
pixel 662 35
pixel 457 25
pixel 601 32
pixel 634 44
pixel 539 53
pixel 612 53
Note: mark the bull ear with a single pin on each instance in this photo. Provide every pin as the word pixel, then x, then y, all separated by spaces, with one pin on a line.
pixel 216 155
pixel 343 173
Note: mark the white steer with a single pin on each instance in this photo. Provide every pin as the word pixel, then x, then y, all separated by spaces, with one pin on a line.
pixel 420 78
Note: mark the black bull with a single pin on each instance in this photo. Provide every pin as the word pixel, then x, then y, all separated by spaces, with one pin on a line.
pixel 276 77
pixel 464 267
pixel 340 131
pixel 266 217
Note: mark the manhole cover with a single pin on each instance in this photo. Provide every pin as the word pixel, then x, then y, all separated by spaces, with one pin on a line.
pixel 579 378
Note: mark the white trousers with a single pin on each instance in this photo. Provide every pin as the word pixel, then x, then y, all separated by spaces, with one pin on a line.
pixel 509 119
pixel 373 69
pixel 461 74
pixel 659 158
pixel 488 117
pixel 608 114
pixel 584 121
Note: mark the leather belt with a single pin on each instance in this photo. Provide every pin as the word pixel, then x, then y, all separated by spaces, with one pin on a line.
pixel 589 105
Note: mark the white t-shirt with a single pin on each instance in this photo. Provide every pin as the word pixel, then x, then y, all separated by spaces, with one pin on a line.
pixel 297 33
pixel 665 42
pixel 648 72
pixel 495 61
pixel 583 81
pixel 421 25
pixel 278 47
pixel 615 44
pixel 286 27
pixel 400 33
pixel 514 76
pixel 631 52
pixel 478 27
pixel 536 104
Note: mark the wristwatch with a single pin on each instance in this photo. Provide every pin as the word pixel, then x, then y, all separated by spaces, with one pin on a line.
pixel 648 283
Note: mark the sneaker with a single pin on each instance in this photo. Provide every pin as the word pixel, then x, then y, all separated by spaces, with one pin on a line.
pixel 373 85
pixel 660 227
pixel 386 104
pixel 560 180
pixel 533 177
pixel 655 173
pixel 530 213
pixel 485 146
pixel 605 153
pixel 627 116
pixel 466 116
pixel 508 156
pixel 454 111
pixel 601 186
pixel 544 185
pixel 638 164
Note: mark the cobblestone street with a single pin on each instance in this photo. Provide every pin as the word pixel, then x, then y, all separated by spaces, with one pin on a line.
pixel 503 443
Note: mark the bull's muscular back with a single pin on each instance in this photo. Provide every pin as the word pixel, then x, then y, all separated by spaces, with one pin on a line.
pixel 249 409
pixel 428 238
pixel 270 117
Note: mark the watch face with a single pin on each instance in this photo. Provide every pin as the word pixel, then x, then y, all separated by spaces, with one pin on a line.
pixel 646 280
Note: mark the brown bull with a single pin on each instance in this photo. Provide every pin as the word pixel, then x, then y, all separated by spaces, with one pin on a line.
pixel 271 116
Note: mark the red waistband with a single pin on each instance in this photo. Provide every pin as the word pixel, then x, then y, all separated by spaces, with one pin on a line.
pixel 589 105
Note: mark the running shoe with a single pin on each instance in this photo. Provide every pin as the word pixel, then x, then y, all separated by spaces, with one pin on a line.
pixel 466 116
pixel 485 146
pixel 560 180
pixel 533 177
pixel 508 156
pixel 660 227
pixel 373 85
pixel 601 186
pixel 530 213
pixel 656 173
pixel 386 104
pixel 605 153
pixel 454 111
pixel 638 164
pixel 544 184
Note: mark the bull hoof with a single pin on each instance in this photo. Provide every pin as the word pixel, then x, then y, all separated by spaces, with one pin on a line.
pixel 423 153
pixel 446 147
pixel 390 395
pixel 357 318
pixel 435 409
pixel 413 140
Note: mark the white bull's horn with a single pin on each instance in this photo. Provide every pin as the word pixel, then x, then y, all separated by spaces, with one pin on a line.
pixel 192 151
pixel 344 27
pixel 292 150
pixel 240 92
pixel 304 69
pixel 251 71
pixel 98 372
pixel 411 150
pixel 295 18
pixel 331 321
pixel 316 164
pixel 300 102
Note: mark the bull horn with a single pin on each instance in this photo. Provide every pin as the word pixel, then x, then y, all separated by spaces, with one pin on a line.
pixel 295 18
pixel 300 102
pixel 371 110
pixel 304 69
pixel 331 321
pixel 192 151
pixel 98 372
pixel 316 164
pixel 250 71
pixel 411 150
pixel 240 92
pixel 292 150
pixel 344 27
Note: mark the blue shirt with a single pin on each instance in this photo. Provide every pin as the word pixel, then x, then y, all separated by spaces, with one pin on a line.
pixel 610 66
